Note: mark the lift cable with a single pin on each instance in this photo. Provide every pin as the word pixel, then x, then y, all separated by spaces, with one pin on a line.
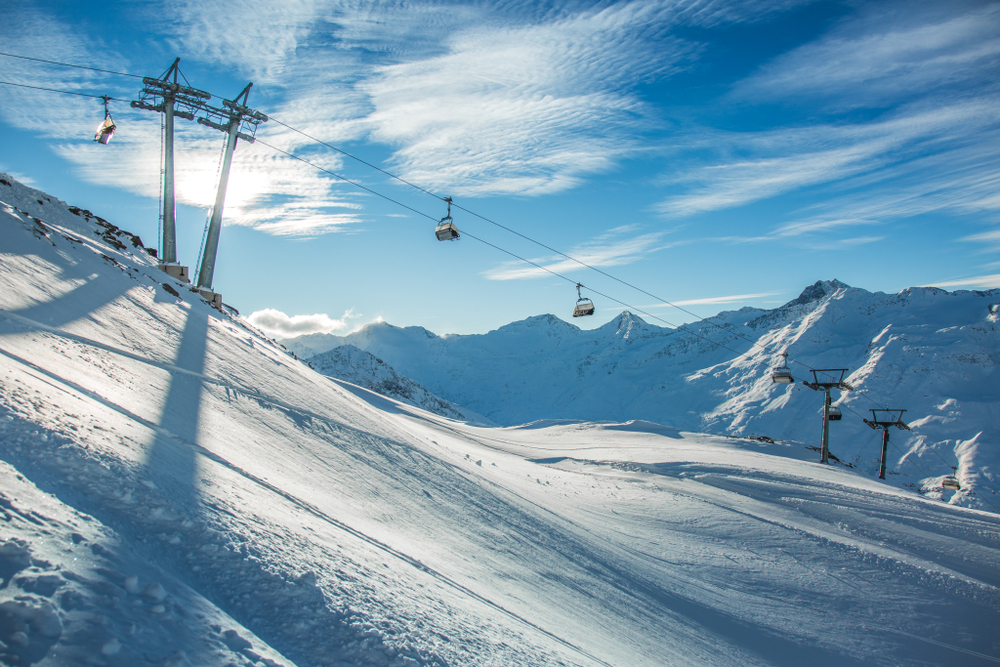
pixel 527 261
pixel 64 92
pixel 676 328
pixel 546 247
pixel 508 229
pixel 56 62
pixel 470 212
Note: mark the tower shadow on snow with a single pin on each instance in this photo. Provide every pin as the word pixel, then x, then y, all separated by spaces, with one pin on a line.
pixel 171 459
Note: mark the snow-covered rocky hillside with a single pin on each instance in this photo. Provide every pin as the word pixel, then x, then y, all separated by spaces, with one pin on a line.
pixel 177 490
pixel 931 352
pixel 366 370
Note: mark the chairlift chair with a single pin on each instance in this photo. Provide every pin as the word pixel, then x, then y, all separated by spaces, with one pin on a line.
pixel 951 482
pixel 835 414
pixel 584 306
pixel 446 229
pixel 107 128
pixel 783 374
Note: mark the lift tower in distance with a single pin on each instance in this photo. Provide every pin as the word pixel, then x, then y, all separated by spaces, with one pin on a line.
pixel 238 122
pixel 164 95
pixel 828 413
pixel 889 418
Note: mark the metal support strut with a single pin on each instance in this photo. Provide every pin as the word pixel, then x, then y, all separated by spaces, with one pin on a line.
pixel 824 456
pixel 207 271
pixel 162 95
pixel 825 387
pixel 889 418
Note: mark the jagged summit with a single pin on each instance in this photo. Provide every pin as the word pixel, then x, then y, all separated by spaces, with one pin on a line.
pixel 815 292
pixel 627 326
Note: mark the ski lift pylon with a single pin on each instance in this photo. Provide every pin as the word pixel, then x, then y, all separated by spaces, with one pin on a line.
pixel 783 374
pixel 446 229
pixel 106 129
pixel 584 306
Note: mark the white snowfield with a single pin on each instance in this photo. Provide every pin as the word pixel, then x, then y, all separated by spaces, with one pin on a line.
pixel 177 490
pixel 935 354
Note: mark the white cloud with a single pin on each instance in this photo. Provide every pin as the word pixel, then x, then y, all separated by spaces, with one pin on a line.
pixel 607 250
pixel 891 52
pixel 714 300
pixel 990 239
pixel 983 282
pixel 277 324
pixel 260 45
pixel 945 155
pixel 524 108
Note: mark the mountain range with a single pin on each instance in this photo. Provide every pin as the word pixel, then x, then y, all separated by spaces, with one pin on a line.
pixel 930 352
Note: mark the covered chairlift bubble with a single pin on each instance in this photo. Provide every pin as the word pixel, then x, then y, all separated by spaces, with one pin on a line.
pixel 782 374
pixel 446 229
pixel 583 306
pixel 951 482
pixel 107 128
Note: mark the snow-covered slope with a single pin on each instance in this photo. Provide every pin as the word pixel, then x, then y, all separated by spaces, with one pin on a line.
pixel 366 370
pixel 930 352
pixel 178 490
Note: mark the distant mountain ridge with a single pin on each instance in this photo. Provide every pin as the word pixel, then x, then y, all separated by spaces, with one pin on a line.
pixel 366 370
pixel 932 352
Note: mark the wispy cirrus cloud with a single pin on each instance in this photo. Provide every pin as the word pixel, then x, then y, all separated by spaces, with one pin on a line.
pixel 473 99
pixel 786 160
pixel 525 109
pixel 614 248
pixel 991 281
pixel 892 52
pixel 933 145
pixel 714 300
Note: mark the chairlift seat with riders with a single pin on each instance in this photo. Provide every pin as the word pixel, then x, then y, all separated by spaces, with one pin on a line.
pixel 835 414
pixel 584 306
pixel 783 374
pixel 951 482
pixel 446 229
pixel 106 129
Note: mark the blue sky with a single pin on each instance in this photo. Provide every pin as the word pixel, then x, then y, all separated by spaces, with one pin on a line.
pixel 714 154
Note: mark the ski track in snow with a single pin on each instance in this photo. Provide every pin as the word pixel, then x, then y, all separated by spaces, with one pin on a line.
pixel 178 490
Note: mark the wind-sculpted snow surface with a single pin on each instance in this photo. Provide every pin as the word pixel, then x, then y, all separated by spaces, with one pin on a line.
pixel 930 352
pixel 178 490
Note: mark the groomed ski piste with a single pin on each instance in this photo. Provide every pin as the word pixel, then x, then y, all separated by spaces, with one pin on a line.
pixel 178 490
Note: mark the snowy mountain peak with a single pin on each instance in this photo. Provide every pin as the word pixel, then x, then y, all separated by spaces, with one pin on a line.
pixel 547 321
pixel 817 291
pixel 626 326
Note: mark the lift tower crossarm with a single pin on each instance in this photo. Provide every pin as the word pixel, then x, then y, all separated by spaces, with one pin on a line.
pixel 825 387
pixel 889 418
